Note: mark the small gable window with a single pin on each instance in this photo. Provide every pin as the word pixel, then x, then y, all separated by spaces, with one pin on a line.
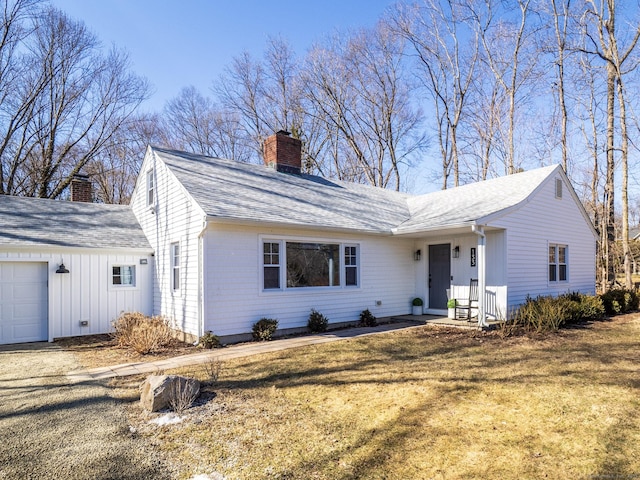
pixel 150 188
pixel 558 263
pixel 123 275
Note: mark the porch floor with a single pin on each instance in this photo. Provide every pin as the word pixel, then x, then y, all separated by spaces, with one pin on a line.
pixel 445 321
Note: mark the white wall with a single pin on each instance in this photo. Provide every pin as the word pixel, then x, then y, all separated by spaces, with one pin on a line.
pixel 543 220
pixel 235 300
pixel 86 293
pixel 176 218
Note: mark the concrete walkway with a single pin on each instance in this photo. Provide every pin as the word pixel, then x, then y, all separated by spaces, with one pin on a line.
pixel 234 351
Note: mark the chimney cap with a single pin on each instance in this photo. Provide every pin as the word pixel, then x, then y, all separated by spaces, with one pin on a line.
pixel 283 132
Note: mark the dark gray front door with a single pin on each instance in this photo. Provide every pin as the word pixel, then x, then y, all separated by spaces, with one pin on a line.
pixel 439 275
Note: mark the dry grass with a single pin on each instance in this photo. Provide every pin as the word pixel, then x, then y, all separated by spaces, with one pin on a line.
pixel 103 350
pixel 422 404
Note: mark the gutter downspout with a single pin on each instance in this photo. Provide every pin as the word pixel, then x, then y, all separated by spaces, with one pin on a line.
pixel 482 274
pixel 201 278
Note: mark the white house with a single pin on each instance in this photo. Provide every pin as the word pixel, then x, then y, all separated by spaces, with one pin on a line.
pixel 69 268
pixel 235 242
pixel 216 245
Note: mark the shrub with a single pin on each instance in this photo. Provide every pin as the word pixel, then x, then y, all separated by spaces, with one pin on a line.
pixel 143 334
pixel 264 329
pixel 182 395
pixel 550 313
pixel 368 319
pixel 542 314
pixel 451 303
pixel 587 307
pixel 212 370
pixel 317 322
pixel 417 302
pixel 619 300
pixel 209 340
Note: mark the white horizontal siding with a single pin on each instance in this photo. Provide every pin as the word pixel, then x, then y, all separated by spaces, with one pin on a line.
pixel 176 218
pixel 86 293
pixel 546 220
pixel 234 298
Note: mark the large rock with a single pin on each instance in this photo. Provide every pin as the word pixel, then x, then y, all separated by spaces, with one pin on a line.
pixel 157 391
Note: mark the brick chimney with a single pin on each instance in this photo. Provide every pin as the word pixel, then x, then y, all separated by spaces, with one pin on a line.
pixel 283 153
pixel 81 189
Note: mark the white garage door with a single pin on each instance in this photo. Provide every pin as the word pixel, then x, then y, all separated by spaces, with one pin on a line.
pixel 23 302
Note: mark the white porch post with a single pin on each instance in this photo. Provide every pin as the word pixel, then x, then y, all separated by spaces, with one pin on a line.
pixel 482 275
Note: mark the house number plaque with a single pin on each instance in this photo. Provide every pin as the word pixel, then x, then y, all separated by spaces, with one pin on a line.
pixel 473 256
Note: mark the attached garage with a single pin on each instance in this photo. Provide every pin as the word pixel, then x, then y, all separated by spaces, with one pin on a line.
pixel 39 300
pixel 23 302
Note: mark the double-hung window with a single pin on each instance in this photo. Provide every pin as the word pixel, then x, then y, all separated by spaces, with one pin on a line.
pixel 351 265
pixel 150 188
pixel 123 275
pixel 271 265
pixel 558 263
pixel 304 264
pixel 175 266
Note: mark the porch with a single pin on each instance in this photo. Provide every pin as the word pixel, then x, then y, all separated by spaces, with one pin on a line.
pixel 443 321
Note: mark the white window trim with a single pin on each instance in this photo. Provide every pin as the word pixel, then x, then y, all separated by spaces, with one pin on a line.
pixel 557 264
pixel 150 188
pixel 115 286
pixel 173 267
pixel 344 265
pixel 282 241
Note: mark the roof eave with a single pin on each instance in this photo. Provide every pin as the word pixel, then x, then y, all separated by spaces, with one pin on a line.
pixel 296 226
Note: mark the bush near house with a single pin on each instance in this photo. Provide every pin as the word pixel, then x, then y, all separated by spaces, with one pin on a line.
pixel 368 319
pixel 264 329
pixel 317 322
pixel 209 340
pixel 142 333
pixel 547 313
pixel 620 300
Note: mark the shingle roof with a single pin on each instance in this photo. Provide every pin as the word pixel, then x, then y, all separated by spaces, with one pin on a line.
pixel 226 189
pixel 38 221
pixel 473 202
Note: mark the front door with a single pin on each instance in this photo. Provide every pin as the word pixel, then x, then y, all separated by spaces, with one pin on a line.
pixel 439 275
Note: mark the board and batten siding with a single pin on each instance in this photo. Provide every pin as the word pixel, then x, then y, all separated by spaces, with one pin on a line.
pixel 235 300
pixel 86 292
pixel 531 228
pixel 176 217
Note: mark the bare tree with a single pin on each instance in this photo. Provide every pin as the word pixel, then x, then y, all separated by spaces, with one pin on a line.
pixel 509 54
pixel 603 41
pixel 194 123
pixel 357 87
pixel 113 172
pixel 434 29
pixel 67 106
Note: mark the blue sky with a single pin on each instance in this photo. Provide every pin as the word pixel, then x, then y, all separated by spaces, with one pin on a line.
pixel 190 42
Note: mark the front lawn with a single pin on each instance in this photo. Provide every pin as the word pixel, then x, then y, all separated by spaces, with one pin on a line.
pixel 423 403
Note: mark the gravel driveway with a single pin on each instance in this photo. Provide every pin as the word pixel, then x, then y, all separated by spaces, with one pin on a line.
pixel 52 430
